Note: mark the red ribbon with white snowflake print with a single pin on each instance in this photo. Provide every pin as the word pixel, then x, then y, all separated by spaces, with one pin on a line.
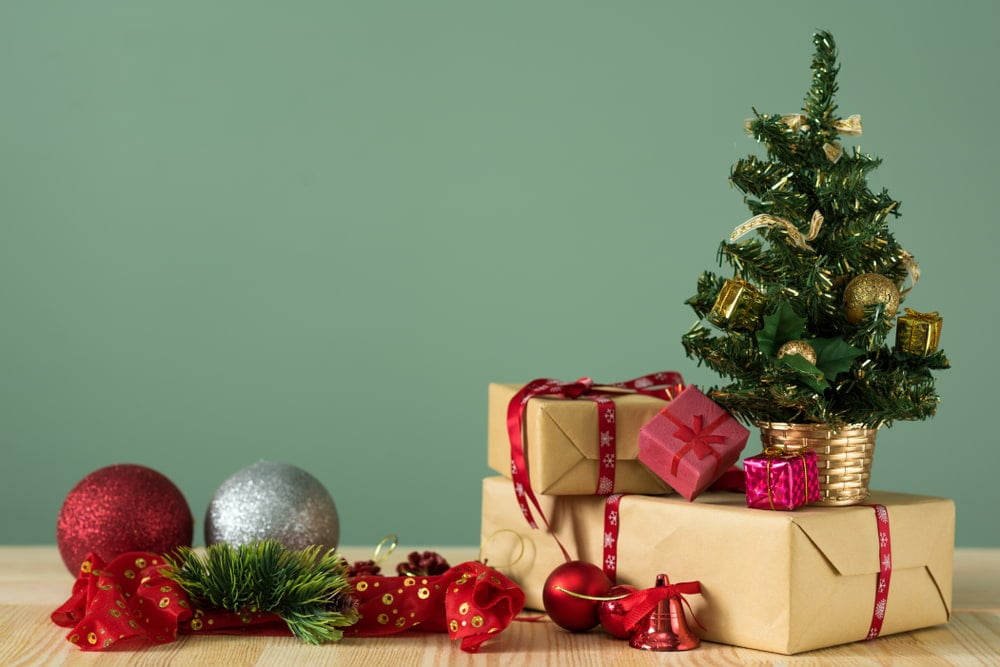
pixel 664 385
pixel 884 571
pixel 609 562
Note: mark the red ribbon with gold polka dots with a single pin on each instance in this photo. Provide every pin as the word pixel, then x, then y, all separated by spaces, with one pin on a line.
pixel 470 602
pixel 130 597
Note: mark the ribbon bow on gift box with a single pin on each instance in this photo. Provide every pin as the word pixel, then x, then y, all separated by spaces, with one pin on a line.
pixel 697 438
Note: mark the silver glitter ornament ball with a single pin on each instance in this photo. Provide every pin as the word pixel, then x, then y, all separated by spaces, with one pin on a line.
pixel 273 501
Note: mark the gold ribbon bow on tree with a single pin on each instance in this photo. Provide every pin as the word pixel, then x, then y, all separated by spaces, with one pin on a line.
pixel 851 126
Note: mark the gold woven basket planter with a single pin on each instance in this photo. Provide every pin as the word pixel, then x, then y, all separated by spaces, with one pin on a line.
pixel 843 456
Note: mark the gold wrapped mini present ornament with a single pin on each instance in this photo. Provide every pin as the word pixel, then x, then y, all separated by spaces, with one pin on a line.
pixel 918 333
pixel 738 306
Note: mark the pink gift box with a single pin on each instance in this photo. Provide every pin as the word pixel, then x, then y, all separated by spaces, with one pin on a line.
pixel 691 442
pixel 780 480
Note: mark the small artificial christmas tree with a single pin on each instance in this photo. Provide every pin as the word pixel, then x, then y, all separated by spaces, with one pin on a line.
pixel 802 326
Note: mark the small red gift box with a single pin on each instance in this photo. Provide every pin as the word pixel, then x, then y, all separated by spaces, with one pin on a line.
pixel 691 442
pixel 781 480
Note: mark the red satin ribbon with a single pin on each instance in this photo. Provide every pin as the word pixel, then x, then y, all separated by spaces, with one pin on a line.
pixel 664 385
pixel 884 571
pixel 642 602
pixel 697 438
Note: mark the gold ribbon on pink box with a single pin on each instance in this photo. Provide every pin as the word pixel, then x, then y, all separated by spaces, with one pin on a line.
pixel 772 481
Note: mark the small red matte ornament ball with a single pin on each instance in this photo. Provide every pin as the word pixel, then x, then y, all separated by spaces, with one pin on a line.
pixel 121 508
pixel 562 593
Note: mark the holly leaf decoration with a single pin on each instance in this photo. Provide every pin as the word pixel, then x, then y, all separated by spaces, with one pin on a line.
pixel 809 374
pixel 779 328
pixel 834 355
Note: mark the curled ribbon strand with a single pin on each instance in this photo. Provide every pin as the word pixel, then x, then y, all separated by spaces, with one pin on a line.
pixel 385 548
pixel 912 268
pixel 491 536
pixel 795 237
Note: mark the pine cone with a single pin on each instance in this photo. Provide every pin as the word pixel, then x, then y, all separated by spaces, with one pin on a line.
pixel 429 563
pixel 363 568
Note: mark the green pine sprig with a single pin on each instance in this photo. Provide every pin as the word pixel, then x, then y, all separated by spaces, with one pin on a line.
pixel 305 588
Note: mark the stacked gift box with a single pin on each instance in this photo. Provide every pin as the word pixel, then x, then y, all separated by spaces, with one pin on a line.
pixel 771 579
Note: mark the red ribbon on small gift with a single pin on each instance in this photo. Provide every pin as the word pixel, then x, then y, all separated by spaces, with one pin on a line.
pixel 663 385
pixel 697 438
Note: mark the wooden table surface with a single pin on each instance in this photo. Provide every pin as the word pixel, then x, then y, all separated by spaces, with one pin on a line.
pixel 33 582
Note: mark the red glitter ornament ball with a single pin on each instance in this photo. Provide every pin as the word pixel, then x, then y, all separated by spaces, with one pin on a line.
pixel 121 508
pixel 566 592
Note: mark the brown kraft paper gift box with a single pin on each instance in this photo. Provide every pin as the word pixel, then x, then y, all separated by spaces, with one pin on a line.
pixel 784 582
pixel 561 443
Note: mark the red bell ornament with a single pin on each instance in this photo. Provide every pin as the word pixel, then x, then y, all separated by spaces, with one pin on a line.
pixel 665 627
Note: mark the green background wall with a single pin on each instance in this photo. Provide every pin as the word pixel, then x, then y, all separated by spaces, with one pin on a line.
pixel 313 232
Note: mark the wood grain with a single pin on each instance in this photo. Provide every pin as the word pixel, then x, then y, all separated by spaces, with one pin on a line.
pixel 33 582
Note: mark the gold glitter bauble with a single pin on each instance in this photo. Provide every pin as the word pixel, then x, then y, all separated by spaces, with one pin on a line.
pixel 799 347
pixel 869 289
